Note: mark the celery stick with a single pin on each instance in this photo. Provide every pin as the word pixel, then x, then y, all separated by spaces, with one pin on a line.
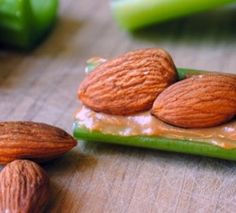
pixel 133 14
pixel 151 142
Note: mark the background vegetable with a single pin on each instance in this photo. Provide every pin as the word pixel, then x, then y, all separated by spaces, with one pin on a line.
pixel 23 23
pixel 132 14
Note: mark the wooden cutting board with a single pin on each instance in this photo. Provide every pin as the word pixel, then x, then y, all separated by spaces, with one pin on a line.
pixel 97 178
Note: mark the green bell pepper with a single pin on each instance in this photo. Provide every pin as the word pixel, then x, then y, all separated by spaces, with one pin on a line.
pixel 155 142
pixel 23 23
pixel 133 14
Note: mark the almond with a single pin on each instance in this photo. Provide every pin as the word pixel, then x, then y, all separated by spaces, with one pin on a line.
pixel 199 101
pixel 29 140
pixel 24 188
pixel 129 83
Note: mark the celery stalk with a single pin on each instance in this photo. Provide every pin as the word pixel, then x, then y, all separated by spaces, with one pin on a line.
pixel 24 22
pixel 160 143
pixel 133 14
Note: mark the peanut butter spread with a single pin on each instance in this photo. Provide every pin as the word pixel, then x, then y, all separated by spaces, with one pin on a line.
pixel 147 125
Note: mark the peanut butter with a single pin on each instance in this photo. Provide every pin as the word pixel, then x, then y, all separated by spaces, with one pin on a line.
pixel 147 125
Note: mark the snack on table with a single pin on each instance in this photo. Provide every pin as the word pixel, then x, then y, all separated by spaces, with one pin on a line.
pixel 194 115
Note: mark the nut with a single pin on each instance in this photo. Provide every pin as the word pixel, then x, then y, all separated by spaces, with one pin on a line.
pixel 24 188
pixel 129 83
pixel 199 101
pixel 28 140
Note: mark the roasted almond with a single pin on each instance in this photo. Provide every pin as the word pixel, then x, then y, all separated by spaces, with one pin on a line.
pixel 129 83
pixel 199 101
pixel 24 188
pixel 29 140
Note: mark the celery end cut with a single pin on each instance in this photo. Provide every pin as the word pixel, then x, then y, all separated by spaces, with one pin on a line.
pixel 23 23
pixel 134 14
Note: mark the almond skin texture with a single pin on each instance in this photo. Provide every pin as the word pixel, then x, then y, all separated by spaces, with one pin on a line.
pixel 129 83
pixel 24 188
pixel 29 140
pixel 197 102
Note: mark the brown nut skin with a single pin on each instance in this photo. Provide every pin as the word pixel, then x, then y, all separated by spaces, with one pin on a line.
pixel 198 102
pixel 35 141
pixel 24 188
pixel 128 84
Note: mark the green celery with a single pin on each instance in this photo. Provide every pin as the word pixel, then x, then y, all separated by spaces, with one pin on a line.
pixel 133 14
pixel 155 142
pixel 23 23
pixel 160 143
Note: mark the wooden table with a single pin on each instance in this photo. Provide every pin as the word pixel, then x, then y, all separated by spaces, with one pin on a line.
pixel 96 178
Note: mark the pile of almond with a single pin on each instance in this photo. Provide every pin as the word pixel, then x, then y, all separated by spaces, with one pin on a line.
pixel 24 186
pixel 147 79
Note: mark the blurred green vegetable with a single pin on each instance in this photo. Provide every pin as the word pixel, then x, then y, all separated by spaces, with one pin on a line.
pixel 133 14
pixel 23 23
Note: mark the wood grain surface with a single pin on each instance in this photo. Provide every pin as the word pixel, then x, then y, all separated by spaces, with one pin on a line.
pixel 96 178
